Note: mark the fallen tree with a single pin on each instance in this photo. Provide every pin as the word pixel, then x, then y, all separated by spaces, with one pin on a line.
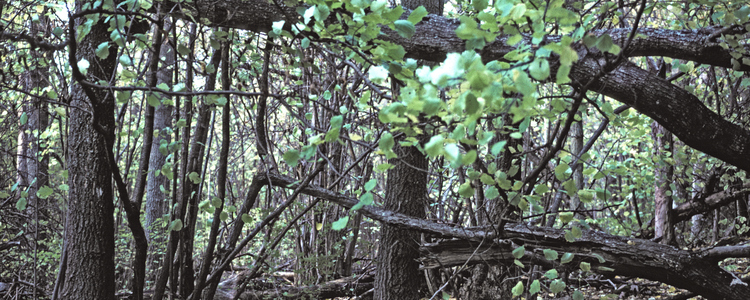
pixel 696 271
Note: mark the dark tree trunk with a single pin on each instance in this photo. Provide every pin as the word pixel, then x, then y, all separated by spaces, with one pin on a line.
pixel 398 275
pixel 89 228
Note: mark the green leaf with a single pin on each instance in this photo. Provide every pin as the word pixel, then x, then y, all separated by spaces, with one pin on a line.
pixel 465 190
pixel 560 171
pixel 598 257
pixel 176 225
pixel 576 232
pixel 518 252
pixel 371 184
pixel 577 295
pixel 566 217
pixel 21 204
pixel 194 177
pixel 153 100
pixel 417 15
pixel 551 274
pixel 557 286
pixel 585 266
pixel 24 118
pixel 479 5
pixel 102 51
pixel 4 194
pixel 291 158
pixel 498 147
pixel 247 219
pixel 44 192
pixel 534 287
pixel 404 28
pixel 435 146
pixel 340 223
pixel 125 60
pixel 567 257
pixel 518 289
pixel 550 254
pixel 223 216
pixel 491 192
pixel 446 296
pixel 539 69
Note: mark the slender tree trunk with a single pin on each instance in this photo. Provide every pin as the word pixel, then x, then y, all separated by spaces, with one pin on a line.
pixel 662 191
pixel 157 186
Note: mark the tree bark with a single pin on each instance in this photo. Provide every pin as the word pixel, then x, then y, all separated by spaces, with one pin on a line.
pixel 398 275
pixel 663 224
pixel 89 227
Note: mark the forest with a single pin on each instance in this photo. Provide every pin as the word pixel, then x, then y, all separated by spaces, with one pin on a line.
pixel 374 149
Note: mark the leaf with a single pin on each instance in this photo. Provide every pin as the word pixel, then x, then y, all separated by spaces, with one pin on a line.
pixel 83 66
pixel 44 192
pixel 291 158
pixel 435 146
pixel 518 252
pixel 550 254
pixel 223 216
pixel 102 51
pixel 576 232
pixel 24 118
pixel 539 69
pixel 417 15
pixel 318 226
pixel 551 274
pixel 404 28
pixel 598 257
pixel 340 223
pixel 585 266
pixel 465 190
pixel 567 257
pixel 534 287
pixel 247 219
pixel 479 5
pixel 566 217
pixel 577 295
pixel 560 171
pixel 153 100
pixel 491 192
pixel 371 184
pixel 194 178
pixel 21 204
pixel 176 225
pixel 125 60
pixel 518 289
pixel 498 147
pixel 377 74
pixel 557 286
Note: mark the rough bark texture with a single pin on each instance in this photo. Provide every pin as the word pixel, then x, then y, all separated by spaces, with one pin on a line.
pixel 663 145
pixel 694 271
pixel 398 275
pixel 89 228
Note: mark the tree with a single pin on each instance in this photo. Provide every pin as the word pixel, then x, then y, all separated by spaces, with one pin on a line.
pixel 483 144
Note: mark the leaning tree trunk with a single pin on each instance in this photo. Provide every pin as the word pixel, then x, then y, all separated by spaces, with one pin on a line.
pixel 89 229
pixel 398 275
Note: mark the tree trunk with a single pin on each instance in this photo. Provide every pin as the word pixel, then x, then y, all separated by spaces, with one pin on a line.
pixel 89 228
pixel 663 224
pixel 157 186
pixel 398 275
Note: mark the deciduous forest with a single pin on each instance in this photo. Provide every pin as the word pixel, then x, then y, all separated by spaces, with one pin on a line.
pixel 374 149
